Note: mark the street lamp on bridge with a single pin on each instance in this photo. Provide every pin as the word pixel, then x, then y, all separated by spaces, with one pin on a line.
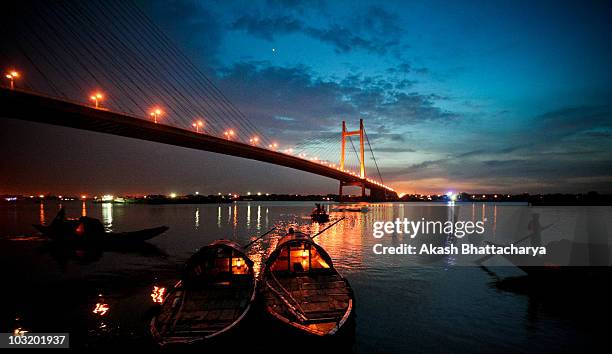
pixel 229 134
pixel 156 113
pixel 198 125
pixel 12 75
pixel 254 140
pixel 97 97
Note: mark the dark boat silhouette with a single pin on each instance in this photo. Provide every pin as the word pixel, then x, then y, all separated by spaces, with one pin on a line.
pixel 319 214
pixel 301 287
pixel 566 261
pixel 86 229
pixel 214 296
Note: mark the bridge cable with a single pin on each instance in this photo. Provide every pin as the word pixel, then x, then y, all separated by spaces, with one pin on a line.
pixel 373 158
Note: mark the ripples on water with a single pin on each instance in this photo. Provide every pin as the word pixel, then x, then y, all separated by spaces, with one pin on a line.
pixel 402 305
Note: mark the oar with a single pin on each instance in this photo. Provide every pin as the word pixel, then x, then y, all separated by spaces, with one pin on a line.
pixel 325 229
pixel 482 259
pixel 259 238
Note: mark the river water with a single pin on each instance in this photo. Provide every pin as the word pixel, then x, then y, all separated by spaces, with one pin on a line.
pixel 402 304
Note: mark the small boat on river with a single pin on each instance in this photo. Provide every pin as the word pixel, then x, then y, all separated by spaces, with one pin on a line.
pixel 86 229
pixel 214 296
pixel 319 214
pixel 302 288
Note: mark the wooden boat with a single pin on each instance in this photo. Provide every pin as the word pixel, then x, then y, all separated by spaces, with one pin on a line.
pixel 319 215
pixel 215 294
pixel 86 229
pixel 303 290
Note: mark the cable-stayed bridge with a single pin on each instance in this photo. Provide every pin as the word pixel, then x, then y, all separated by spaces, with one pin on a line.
pixel 104 66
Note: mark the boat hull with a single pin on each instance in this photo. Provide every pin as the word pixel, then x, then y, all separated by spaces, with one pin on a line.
pixel 302 289
pixel 215 295
pixel 194 337
pixel 114 237
pixel 321 329
pixel 320 218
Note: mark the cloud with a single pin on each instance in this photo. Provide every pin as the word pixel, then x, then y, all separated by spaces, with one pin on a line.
pixel 374 30
pixel 574 120
pixel 531 175
pixel 311 104
pixel 394 149
pixel 268 28
pixel 195 28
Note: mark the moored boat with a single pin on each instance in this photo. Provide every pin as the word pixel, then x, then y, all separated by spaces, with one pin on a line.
pixel 87 229
pixel 214 296
pixel 303 289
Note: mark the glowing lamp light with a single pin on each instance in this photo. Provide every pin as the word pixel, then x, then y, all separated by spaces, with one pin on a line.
pixel 11 75
pixel 156 113
pixel 172 195
pixel 254 140
pixel 229 134
pixel 97 97
pixel 198 125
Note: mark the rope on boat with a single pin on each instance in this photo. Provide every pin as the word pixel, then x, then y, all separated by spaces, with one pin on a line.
pixel 298 312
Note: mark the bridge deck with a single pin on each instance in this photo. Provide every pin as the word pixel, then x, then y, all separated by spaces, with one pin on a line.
pixel 28 106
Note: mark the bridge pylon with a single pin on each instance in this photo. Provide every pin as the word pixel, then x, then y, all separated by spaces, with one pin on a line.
pixel 362 174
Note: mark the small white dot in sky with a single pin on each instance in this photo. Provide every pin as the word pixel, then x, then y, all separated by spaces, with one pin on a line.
pixel 274 49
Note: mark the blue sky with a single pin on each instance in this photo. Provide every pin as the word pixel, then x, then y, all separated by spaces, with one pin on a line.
pixel 470 95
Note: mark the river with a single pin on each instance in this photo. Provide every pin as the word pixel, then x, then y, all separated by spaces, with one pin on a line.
pixel 401 304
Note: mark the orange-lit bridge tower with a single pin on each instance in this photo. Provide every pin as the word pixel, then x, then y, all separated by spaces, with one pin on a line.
pixel 346 133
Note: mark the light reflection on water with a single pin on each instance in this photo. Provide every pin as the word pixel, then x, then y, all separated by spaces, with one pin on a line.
pixel 107 216
pixel 41 214
pixel 197 218
pixel 402 305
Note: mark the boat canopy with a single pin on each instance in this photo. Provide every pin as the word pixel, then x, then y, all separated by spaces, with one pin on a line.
pixel 219 261
pixel 297 253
